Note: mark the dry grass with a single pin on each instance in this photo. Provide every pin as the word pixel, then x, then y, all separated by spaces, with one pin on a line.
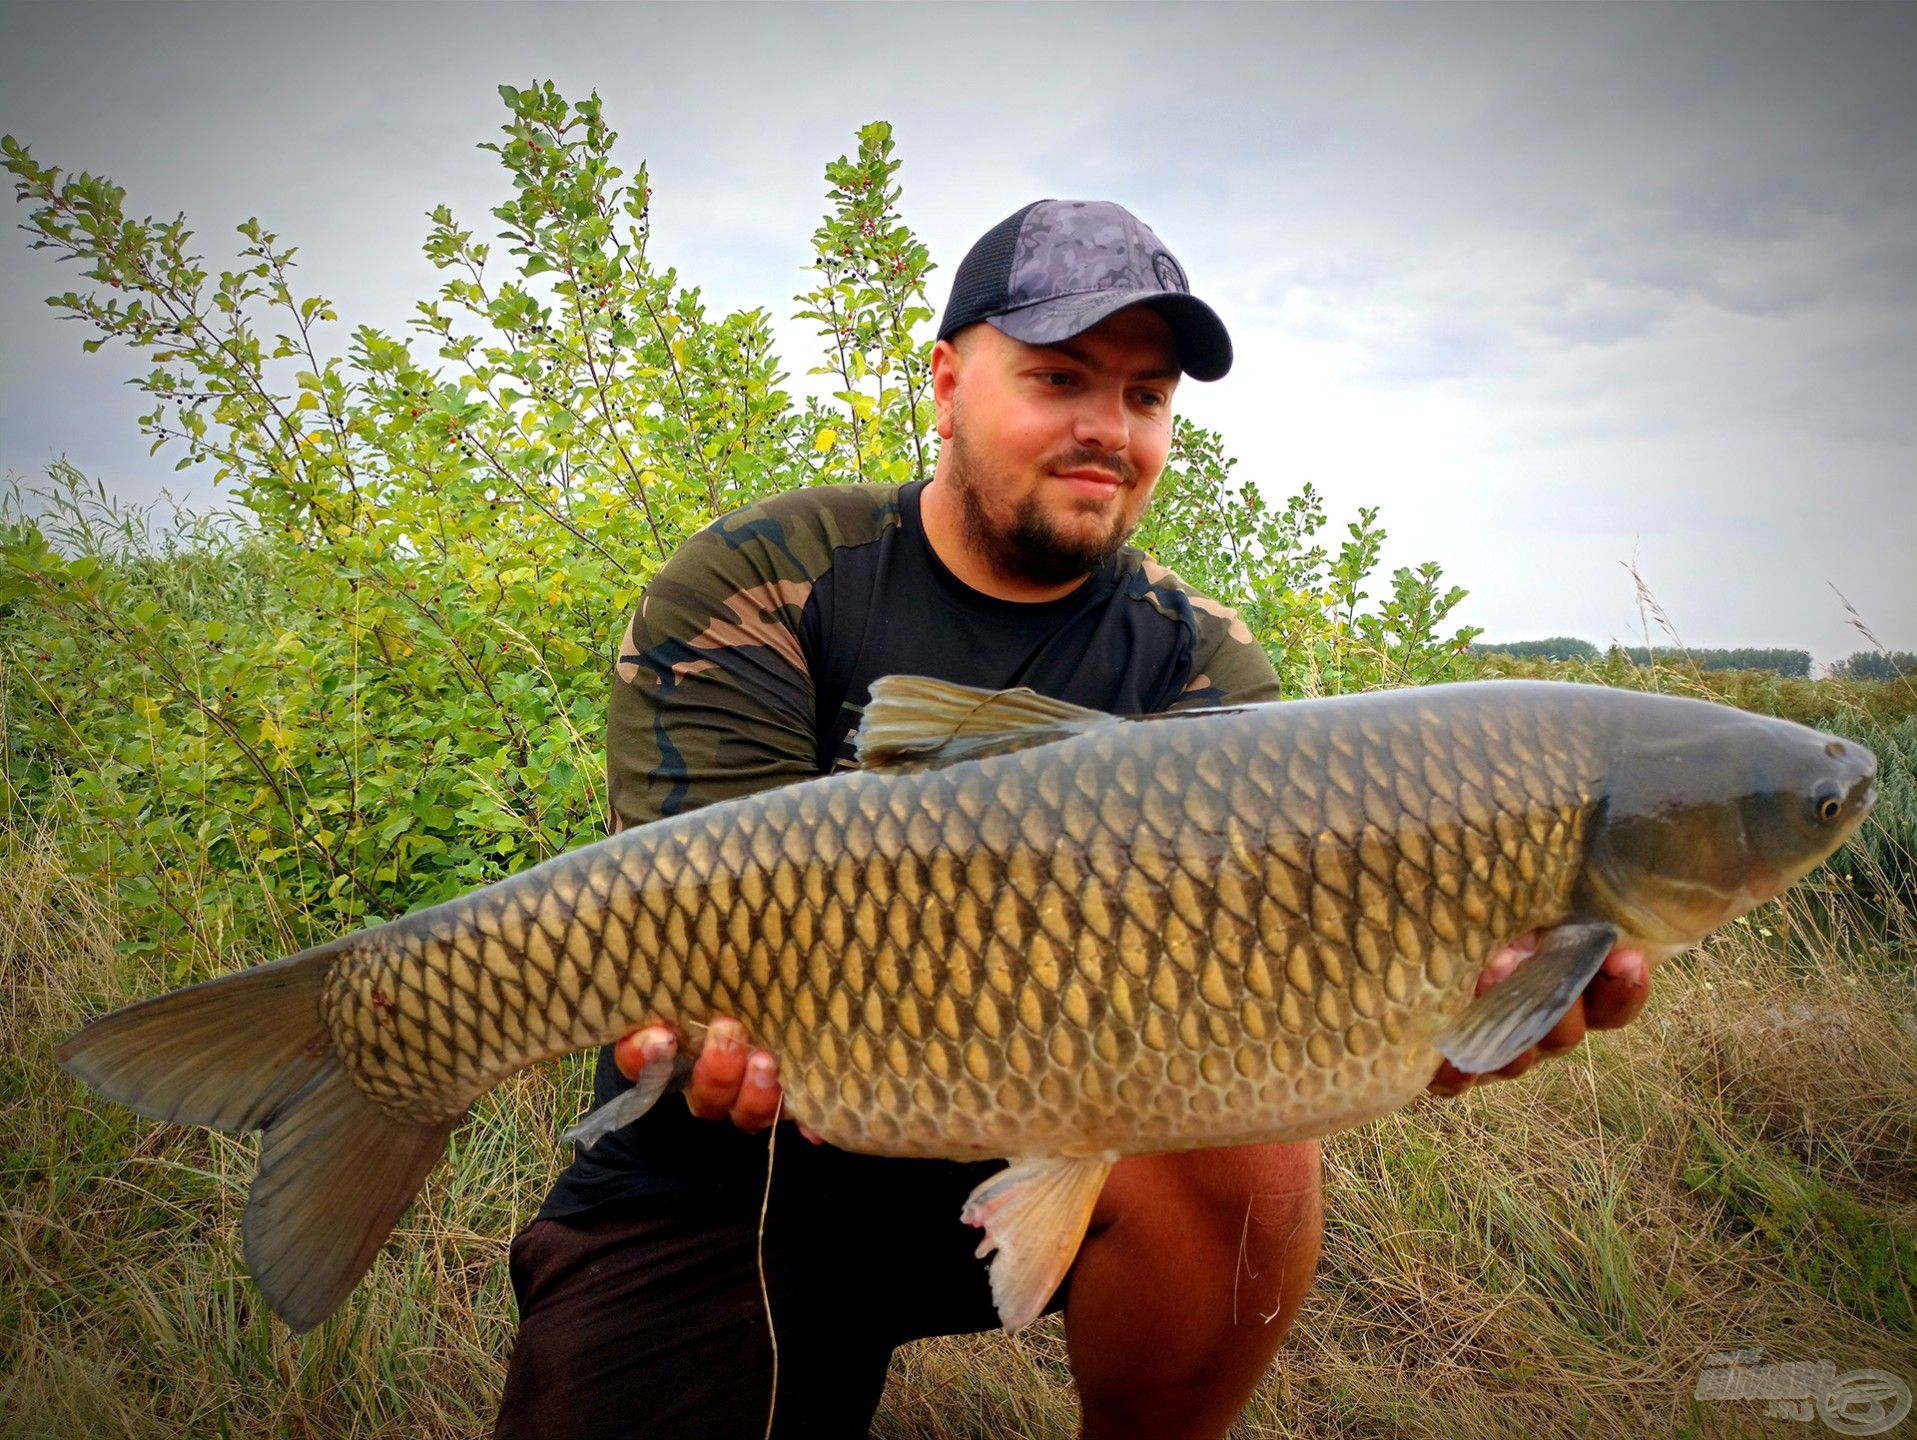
pixel 1558 1257
pixel 1552 1257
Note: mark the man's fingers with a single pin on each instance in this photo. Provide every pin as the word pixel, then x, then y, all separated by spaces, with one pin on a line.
pixel 718 1072
pixel 1506 958
pixel 634 1050
pixel 1450 1081
pixel 1566 1035
pixel 729 1081
pixel 1618 991
pixel 1518 1066
pixel 758 1099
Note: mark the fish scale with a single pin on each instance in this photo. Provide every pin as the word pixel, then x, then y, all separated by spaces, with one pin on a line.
pixel 1024 930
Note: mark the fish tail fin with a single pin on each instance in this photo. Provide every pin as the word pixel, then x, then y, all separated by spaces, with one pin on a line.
pixel 336 1173
pixel 226 1053
pixel 252 1051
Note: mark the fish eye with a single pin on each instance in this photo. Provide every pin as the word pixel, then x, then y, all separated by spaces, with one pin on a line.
pixel 1827 801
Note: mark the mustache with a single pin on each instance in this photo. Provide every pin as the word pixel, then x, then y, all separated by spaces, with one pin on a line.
pixel 1087 459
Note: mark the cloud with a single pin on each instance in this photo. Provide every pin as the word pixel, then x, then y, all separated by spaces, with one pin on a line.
pixel 1542 282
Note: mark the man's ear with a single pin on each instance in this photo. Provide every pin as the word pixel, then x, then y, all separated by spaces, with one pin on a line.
pixel 946 362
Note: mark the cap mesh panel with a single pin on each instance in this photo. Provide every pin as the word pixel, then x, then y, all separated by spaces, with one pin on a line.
pixel 985 274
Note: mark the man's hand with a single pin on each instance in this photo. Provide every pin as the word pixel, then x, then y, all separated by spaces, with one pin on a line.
pixel 1613 998
pixel 729 1081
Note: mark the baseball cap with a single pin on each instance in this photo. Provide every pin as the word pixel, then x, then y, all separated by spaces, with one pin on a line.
pixel 1056 268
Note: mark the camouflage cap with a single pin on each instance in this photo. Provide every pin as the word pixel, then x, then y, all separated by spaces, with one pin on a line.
pixel 1057 267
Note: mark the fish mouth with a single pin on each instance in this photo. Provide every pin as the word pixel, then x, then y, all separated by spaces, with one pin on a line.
pixel 1860 786
pixel 1859 800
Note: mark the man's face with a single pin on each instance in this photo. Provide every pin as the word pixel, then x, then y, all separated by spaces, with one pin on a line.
pixel 1052 450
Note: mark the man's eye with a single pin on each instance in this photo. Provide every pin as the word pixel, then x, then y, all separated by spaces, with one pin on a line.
pixel 1057 378
pixel 1150 399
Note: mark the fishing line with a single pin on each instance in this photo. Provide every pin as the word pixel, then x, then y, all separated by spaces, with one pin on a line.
pixel 765 1290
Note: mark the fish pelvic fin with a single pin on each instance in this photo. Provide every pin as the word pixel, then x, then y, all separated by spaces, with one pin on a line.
pixel 1510 1018
pixel 1034 1213
pixel 252 1051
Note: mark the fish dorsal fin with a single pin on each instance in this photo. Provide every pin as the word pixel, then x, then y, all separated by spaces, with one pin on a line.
pixel 913 720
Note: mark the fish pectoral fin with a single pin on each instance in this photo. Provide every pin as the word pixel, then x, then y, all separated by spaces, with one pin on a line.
pixel 911 720
pixel 1510 1018
pixel 656 1077
pixel 1034 1213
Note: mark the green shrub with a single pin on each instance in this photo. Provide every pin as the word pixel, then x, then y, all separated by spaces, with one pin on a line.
pixel 380 683
pixel 1795 664
pixel 1305 604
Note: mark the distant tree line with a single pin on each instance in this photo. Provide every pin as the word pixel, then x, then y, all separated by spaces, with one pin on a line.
pixel 1875 665
pixel 1792 664
pixel 1558 647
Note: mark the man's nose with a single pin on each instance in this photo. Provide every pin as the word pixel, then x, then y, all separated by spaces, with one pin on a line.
pixel 1100 421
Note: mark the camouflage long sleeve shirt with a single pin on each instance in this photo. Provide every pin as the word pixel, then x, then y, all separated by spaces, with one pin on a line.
pixel 748 663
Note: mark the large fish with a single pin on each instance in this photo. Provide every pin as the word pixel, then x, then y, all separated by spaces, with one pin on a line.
pixel 1024 929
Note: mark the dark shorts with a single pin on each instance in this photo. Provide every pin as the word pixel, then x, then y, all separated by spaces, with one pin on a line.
pixel 644 1317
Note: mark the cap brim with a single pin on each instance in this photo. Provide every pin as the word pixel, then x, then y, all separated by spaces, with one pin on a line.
pixel 1204 347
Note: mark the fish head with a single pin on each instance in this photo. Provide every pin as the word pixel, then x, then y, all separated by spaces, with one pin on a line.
pixel 1713 811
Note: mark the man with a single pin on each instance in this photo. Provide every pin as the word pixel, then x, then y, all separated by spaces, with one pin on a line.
pixel 1068 331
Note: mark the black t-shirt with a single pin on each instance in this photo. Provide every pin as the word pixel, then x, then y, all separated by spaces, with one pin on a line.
pixel 748 664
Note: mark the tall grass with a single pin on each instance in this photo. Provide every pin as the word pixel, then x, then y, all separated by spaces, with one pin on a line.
pixel 1556 1256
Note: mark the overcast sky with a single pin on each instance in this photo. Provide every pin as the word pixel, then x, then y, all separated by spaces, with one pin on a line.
pixel 1553 286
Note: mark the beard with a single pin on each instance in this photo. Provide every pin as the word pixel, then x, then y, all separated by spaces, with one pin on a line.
pixel 1032 546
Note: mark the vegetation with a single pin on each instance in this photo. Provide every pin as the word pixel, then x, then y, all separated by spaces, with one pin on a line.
pixel 1557 647
pixel 1304 602
pixel 378 681
pixel 384 682
pixel 1794 664
pixel 1875 665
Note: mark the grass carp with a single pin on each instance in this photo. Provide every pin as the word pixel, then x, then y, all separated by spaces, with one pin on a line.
pixel 1023 929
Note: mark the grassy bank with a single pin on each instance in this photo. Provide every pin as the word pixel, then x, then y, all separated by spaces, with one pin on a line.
pixel 1551 1257
pixel 1558 1256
